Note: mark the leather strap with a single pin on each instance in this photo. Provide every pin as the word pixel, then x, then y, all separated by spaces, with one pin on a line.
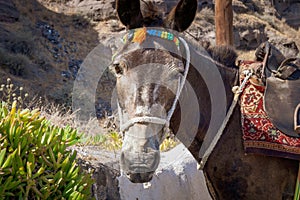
pixel 265 62
pixel 284 71
pixel 297 119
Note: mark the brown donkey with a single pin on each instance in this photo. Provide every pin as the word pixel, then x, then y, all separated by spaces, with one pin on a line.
pixel 156 70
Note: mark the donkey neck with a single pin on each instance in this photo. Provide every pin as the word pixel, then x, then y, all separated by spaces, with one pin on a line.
pixel 193 132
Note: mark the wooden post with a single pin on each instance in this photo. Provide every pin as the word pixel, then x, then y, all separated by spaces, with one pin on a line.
pixel 224 22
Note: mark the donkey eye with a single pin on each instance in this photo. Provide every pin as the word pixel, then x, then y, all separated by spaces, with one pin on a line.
pixel 118 68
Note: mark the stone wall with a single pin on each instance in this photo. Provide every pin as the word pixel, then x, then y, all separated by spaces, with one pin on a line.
pixel 177 177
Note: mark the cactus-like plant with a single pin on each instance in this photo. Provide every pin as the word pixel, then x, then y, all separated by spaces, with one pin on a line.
pixel 35 162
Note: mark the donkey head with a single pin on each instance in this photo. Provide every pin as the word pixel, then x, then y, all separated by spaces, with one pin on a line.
pixel 148 71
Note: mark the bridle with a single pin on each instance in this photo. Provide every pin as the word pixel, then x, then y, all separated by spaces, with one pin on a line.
pixel 181 82
pixel 139 35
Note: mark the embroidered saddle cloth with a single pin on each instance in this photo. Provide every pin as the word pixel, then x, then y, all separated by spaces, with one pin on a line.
pixel 260 135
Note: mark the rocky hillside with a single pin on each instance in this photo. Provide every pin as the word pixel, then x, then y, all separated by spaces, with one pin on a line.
pixel 41 49
pixel 43 42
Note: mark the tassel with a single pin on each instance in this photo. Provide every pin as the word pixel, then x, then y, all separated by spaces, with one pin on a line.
pixel 140 35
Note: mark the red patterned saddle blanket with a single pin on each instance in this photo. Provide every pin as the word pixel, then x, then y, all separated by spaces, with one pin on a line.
pixel 259 134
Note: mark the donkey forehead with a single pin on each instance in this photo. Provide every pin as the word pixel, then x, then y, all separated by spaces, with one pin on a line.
pixel 150 57
pixel 142 46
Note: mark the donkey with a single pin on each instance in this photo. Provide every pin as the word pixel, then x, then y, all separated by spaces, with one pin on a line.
pixel 154 71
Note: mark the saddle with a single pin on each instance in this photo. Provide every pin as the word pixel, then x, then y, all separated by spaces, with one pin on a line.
pixel 281 77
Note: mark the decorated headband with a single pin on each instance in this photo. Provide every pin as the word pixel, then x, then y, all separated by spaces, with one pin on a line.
pixel 139 35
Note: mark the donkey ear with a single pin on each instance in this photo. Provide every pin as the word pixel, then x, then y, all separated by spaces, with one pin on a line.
pixel 182 15
pixel 129 13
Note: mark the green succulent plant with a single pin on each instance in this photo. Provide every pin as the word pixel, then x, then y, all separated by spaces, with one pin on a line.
pixel 35 161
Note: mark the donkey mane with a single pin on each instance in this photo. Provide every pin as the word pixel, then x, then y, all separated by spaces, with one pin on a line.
pixel 222 55
pixel 225 55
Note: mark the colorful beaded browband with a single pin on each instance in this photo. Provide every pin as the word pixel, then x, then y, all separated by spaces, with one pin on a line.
pixel 139 35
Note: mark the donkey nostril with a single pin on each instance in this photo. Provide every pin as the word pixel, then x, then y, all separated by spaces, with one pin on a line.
pixel 140 177
pixel 150 176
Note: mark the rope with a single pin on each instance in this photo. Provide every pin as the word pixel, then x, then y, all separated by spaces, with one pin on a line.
pixel 154 120
pixel 237 93
pixel 181 82
pixel 157 120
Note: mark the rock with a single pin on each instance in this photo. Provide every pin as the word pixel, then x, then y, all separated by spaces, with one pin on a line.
pixel 171 3
pixel 105 169
pixel 50 34
pixel 106 185
pixel 239 7
pixel 96 10
pixel 66 74
pixel 289 11
pixel 286 46
pixel 74 66
pixel 8 11
pixel 251 38
pixel 281 5
pixel 177 176
pixel 249 33
pixel 292 15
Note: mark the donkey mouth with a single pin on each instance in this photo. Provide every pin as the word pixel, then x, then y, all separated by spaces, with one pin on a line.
pixel 139 167
pixel 140 177
pixel 139 162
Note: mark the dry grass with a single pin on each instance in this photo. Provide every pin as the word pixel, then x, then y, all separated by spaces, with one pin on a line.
pixel 246 55
pixel 62 116
pixel 15 64
pixel 273 26
pixel 207 15
pixel 106 138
